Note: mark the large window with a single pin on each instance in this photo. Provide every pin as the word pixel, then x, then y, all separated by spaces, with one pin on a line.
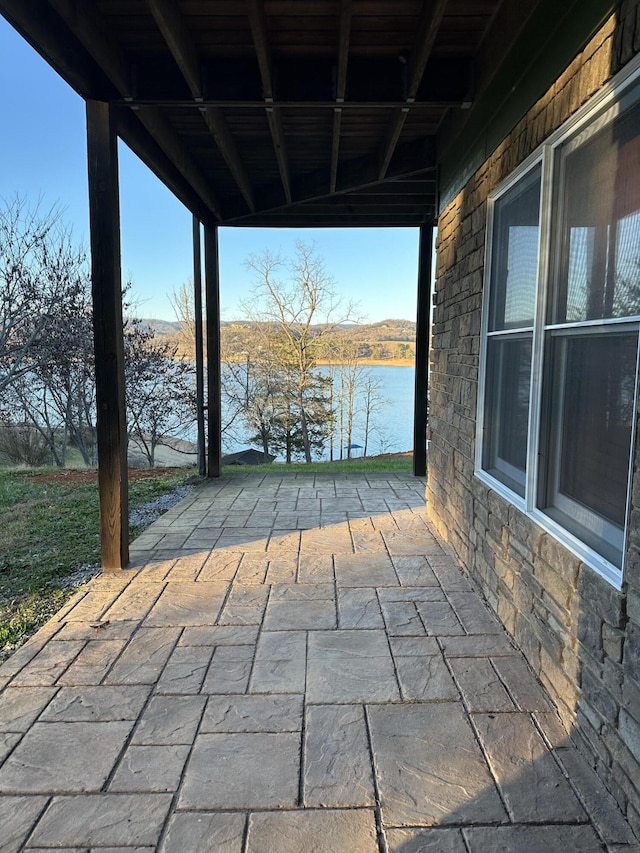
pixel 560 332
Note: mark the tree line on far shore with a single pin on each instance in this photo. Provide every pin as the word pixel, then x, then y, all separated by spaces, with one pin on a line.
pixel 296 386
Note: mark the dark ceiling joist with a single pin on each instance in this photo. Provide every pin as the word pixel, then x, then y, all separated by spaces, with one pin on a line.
pixel 142 144
pixel 92 34
pixel 341 87
pixel 258 23
pixel 175 33
pixel 91 31
pixel 415 158
pixel 430 20
pixel 166 137
pixel 171 24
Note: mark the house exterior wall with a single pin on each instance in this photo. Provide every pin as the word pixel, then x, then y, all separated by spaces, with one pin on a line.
pixel 579 633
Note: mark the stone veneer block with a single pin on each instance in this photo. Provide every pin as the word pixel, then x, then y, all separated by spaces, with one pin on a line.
pixel 204 832
pixel 426 841
pixel 533 787
pixel 64 757
pixel 102 819
pixel 337 762
pixel 313 831
pixel 253 713
pixel 430 768
pixel 242 771
pixel 350 666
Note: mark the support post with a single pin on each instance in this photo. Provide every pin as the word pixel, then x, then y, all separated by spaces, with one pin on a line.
pixel 214 398
pixel 106 286
pixel 423 331
pixel 197 310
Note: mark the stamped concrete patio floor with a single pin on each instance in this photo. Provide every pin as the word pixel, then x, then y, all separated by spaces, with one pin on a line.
pixel 294 664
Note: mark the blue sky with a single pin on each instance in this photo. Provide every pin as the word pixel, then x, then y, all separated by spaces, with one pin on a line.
pixel 43 156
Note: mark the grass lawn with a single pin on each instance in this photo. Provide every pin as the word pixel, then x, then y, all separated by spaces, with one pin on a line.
pixel 49 531
pixel 389 463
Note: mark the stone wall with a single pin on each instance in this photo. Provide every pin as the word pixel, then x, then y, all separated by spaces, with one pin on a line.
pixel 580 635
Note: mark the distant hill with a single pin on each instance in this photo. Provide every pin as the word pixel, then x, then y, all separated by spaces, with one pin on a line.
pixel 384 341
pixel 161 327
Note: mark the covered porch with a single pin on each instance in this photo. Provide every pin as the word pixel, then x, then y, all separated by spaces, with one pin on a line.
pixel 291 662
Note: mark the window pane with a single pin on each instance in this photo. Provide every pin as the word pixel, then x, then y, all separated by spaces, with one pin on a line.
pixel 591 414
pixel 507 409
pixel 514 266
pixel 599 273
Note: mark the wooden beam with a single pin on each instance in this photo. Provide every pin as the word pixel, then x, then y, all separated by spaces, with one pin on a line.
pixel 171 24
pixel 91 30
pixel 423 330
pixel 219 128
pixel 258 23
pixel 341 87
pixel 104 215
pixel 197 319
pixel 413 158
pixel 214 396
pixel 174 31
pixel 430 20
pixel 166 137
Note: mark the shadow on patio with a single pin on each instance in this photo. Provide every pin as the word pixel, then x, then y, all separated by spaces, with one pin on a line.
pixel 294 663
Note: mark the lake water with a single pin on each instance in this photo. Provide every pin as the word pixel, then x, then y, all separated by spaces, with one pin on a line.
pixel 393 422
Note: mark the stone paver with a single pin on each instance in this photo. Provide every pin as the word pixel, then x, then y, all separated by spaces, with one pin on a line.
pixel 295 663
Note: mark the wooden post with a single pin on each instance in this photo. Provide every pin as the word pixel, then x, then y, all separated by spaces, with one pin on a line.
pixel 104 216
pixel 214 399
pixel 423 330
pixel 197 310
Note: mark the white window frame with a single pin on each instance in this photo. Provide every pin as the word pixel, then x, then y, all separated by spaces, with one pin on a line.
pixel 598 112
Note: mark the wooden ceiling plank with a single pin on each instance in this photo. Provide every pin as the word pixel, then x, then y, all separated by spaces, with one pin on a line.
pixel 174 31
pixel 430 20
pixel 87 28
pixel 219 128
pixel 166 137
pixel 258 24
pixel 91 31
pixel 341 87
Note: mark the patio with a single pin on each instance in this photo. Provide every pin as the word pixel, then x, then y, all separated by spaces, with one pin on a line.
pixel 294 662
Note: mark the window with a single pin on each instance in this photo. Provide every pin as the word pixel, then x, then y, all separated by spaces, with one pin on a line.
pixel 560 333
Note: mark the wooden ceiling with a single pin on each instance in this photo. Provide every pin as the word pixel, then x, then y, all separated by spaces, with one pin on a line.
pixel 281 112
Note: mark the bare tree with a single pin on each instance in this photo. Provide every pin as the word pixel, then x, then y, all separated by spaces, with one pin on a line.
pixel 296 305
pixel 38 262
pixel 160 390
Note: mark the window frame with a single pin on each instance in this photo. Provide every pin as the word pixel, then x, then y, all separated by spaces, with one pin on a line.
pixel 614 98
